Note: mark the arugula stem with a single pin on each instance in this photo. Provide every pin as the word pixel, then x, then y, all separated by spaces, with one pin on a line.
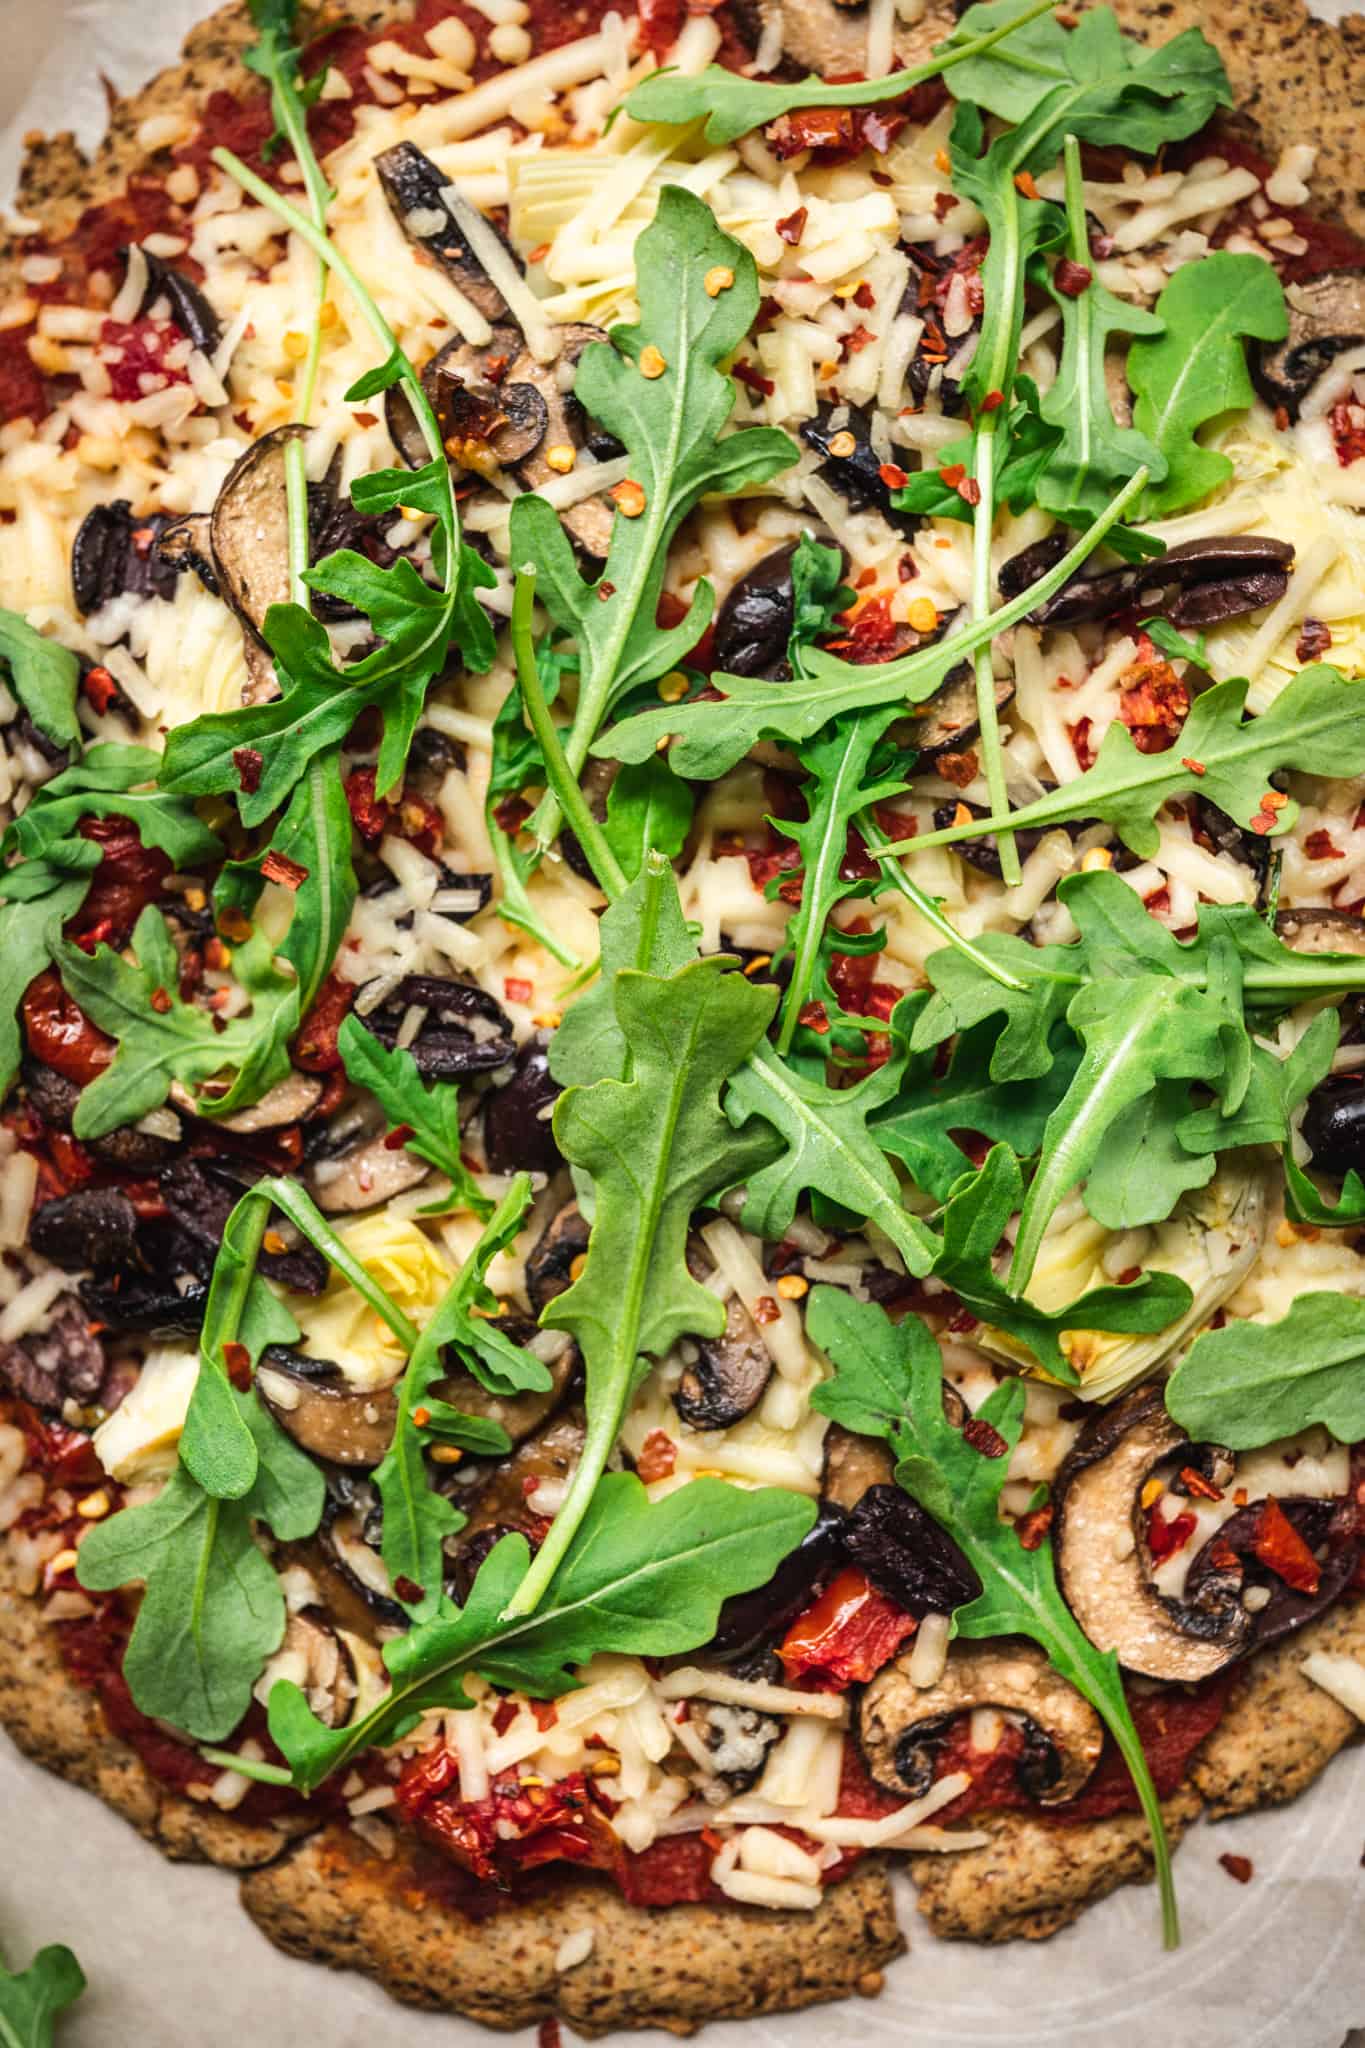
pixel 877 844
pixel 303 1212
pixel 248 1767
pixel 515 907
pixel 992 754
pixel 563 777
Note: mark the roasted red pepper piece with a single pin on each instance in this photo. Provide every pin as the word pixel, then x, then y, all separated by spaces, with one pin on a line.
pixel 846 1636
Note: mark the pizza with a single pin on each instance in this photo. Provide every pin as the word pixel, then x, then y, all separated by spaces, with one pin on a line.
pixel 683 940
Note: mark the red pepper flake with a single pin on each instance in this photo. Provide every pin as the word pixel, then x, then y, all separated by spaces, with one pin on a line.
pixel 398 1137
pixel 277 867
pixel 1197 1485
pixel 1238 1867
pixel 853 344
pixel 1315 637
pixel 1023 183
pixel 1318 846
pixel 1188 762
pixel 1071 279
pixel 952 474
pixel 370 814
pixel 658 1456
pixel 160 1001
pixel 248 763
pixel 1165 1538
pixel 1263 822
pixel 547 2034
pixel 408 1590
pixel 766 1309
pixel 606 589
pixel 1282 1550
pixel 793 227
pixel 992 401
pixel 753 380
pixel 865 298
pixel 366 419
pixel 516 990
pixel 813 1016
pixel 893 476
pixel 1274 800
pixel 1033 1527
pixel 866 579
pixel 983 1436
pixel 1153 703
pixel 237 1365
pixel 100 688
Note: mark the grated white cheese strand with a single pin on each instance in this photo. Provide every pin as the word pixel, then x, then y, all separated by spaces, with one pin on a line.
pixel 1343 1678
pixel 691 1682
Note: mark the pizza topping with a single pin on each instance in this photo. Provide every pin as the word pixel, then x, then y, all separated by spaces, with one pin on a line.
pixel 1326 316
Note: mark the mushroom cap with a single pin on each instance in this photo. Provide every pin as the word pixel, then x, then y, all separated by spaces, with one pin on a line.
pixel 1104 1565
pixel 901 1724
pixel 1326 317
pixel 314 1402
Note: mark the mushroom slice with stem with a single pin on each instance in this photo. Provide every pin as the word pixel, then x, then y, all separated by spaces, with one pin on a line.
pixel 901 1725
pixel 726 1378
pixel 338 1672
pixel 1326 317
pixel 416 191
pixel 1104 1565
pixel 520 1492
pixel 830 36
pixel 550 1262
pixel 249 535
pixel 363 1170
pixel 314 1402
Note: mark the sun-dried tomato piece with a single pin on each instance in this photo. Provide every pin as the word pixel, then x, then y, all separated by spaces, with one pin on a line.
pixel 1283 1551
pixel 846 1636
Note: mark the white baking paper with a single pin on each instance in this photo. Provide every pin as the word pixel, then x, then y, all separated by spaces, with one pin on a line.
pixel 173 1962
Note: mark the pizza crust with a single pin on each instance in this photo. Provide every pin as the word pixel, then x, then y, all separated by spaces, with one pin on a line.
pixel 60 1725
pixel 332 1900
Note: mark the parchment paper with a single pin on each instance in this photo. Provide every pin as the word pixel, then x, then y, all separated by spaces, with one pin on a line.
pixel 174 1963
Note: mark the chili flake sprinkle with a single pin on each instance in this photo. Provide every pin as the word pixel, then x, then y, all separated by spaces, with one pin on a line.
pixel 277 867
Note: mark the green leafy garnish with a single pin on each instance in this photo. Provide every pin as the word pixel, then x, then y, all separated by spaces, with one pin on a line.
pixel 1195 370
pixel 43 676
pixel 644 930
pixel 732 105
pixel 889 1383
pixel 109 782
pixel 1249 1384
pixel 213 1610
pixel 647 807
pixel 641 1580
pixel 428 1117
pixel 671 427
pixel 31 1999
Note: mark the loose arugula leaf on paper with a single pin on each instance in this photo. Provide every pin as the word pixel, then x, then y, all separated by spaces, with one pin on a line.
pixel 1314 726
pixel 31 1999
pixel 888 1383
pixel 1249 1384
pixel 1194 371
pixel 672 428
pixel 417 1520
pixel 213 1610
pixel 427 1117
pixel 638 1579
pixel 656 1144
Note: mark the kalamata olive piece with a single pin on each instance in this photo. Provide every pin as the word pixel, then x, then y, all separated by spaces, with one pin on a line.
pixel 114 553
pixel 906 1554
pixel 189 309
pixel 1334 1126
pixel 200 1202
pixel 755 621
pixel 747 1619
pixel 92 1227
pixel 64 1361
pixel 517 1132
pixel 857 477
pixel 464 1031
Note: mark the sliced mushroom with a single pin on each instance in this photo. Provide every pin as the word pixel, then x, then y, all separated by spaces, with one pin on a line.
pixel 288 1102
pixel 726 1379
pixel 187 544
pixel 518 1135
pixel 322 1662
pixel 818 35
pixel 521 1415
pixel 249 535
pixel 949 719
pixel 738 1741
pixel 314 1402
pixel 115 553
pixel 463 1031
pixel 503 1494
pixel 415 189
pixel 1104 1565
pixel 368 1171
pixel 549 1265
pixel 1326 316
pixel 1285 1610
pixel 1321 931
pixel 589 522
pixel 901 1725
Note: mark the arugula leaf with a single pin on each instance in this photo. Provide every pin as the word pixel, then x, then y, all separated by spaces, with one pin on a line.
pixel 1275 1088
pixel 963 996
pixel 671 426
pixel 105 783
pixel 27 927
pixel 643 929
pixel 1195 370
pixel 160 1038
pixel 31 1999
pixel 1250 1383
pixel 43 675
pixel 819 593
pixel 1041 55
pixel 217 1448
pixel 516 764
pixel 212 1611
pixel 1142 1169
pixel 1314 726
pixel 429 1118
pixel 889 1383
pixel 642 1579
pixel 1095 454
pixel 416 1519
pixel 828 1148
pixel 1028 443
pixel 1304 1203
pixel 656 1145
pixel 916 1123
pixel 647 806
pixel 974 1221
pixel 710 736
pixel 732 105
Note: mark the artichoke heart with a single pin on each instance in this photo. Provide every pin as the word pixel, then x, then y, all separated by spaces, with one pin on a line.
pixel 1211 1241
